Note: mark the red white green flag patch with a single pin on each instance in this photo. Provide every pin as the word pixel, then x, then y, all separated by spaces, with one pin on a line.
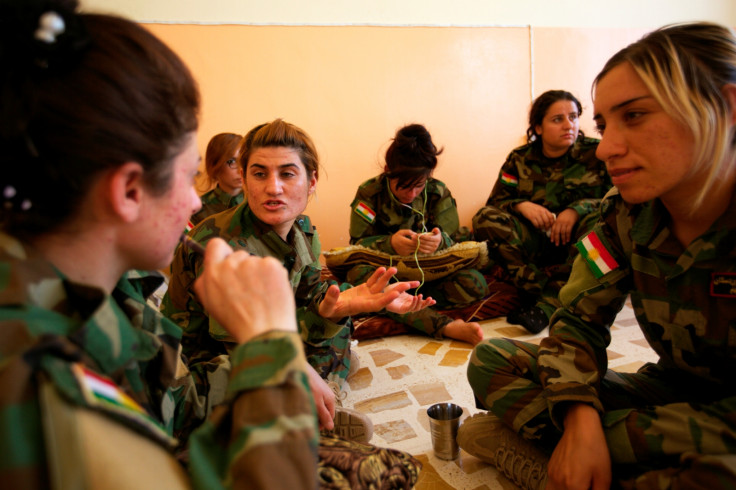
pixel 99 391
pixel 365 212
pixel 509 179
pixel 596 254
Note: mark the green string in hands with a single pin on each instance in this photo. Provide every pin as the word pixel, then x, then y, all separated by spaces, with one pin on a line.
pixel 424 229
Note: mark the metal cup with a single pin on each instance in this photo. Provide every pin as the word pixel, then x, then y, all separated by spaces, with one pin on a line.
pixel 444 420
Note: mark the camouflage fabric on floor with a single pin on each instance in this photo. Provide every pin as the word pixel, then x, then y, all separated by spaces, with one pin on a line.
pixel 352 465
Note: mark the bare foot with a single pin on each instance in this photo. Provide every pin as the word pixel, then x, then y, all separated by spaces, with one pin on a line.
pixel 467 332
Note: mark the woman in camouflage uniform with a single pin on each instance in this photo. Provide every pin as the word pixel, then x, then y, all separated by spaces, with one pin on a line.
pixel 223 176
pixel 280 171
pixel 546 196
pixel 406 211
pixel 98 124
pixel 666 109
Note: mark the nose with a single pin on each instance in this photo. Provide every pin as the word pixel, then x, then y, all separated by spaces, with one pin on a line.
pixel 273 185
pixel 611 145
pixel 196 201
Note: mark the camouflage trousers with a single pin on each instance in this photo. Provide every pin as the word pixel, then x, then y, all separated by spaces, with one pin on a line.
pixel 326 345
pixel 538 267
pixel 454 291
pixel 664 429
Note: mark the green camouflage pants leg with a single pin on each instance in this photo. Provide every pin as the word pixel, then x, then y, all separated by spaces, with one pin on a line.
pixel 326 345
pixel 513 244
pixel 654 433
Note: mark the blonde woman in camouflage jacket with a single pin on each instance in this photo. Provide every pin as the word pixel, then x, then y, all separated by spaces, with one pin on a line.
pixel 98 131
pixel 546 197
pixel 666 109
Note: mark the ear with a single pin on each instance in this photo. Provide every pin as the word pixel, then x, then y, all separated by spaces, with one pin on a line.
pixel 729 92
pixel 126 191
pixel 312 185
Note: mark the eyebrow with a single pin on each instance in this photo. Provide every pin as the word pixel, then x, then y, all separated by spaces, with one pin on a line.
pixel 623 104
pixel 280 167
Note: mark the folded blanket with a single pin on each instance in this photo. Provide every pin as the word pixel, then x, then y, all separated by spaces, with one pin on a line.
pixel 463 255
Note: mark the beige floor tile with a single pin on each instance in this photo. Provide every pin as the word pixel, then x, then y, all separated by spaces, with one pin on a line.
pixel 361 379
pixel 455 357
pixel 429 479
pixel 612 356
pixel 398 372
pixel 457 344
pixel 430 348
pixel 391 401
pixel 512 331
pixel 394 431
pixel 381 357
pixel 430 393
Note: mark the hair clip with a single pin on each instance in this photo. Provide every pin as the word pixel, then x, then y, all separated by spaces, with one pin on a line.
pixel 50 25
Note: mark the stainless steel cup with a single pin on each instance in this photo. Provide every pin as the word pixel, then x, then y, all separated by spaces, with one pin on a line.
pixel 444 420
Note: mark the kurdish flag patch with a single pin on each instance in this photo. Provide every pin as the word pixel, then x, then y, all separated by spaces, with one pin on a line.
pixel 189 226
pixel 365 212
pixel 100 392
pixel 596 254
pixel 509 179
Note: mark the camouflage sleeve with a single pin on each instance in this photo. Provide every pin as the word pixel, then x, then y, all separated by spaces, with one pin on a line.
pixel 585 206
pixel 265 433
pixel 443 215
pixel 363 224
pixel 594 179
pixel 505 194
pixel 181 305
pixel 573 359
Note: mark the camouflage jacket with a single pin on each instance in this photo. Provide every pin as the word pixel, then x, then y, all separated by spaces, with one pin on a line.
pixel 577 180
pixel 215 201
pixel 243 231
pixel 68 334
pixel 684 300
pixel 376 215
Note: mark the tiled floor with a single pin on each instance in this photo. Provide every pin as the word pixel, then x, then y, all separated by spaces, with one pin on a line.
pixel 401 376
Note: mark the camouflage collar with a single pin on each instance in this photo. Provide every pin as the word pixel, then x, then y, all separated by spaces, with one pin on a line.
pixel 114 329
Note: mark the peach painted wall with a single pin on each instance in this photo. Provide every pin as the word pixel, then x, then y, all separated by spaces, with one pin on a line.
pixel 350 88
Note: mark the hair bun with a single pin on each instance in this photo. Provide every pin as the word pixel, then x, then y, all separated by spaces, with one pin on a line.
pixel 39 34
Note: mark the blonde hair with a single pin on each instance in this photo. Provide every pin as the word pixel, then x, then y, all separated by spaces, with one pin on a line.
pixel 686 66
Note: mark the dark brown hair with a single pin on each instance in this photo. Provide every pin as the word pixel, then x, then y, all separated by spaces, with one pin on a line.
pixel 104 93
pixel 540 107
pixel 411 157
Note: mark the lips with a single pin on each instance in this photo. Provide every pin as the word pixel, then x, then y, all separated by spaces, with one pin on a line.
pixel 273 205
pixel 620 175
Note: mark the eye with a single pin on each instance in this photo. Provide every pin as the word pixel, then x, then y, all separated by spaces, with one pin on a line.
pixel 632 116
pixel 599 128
